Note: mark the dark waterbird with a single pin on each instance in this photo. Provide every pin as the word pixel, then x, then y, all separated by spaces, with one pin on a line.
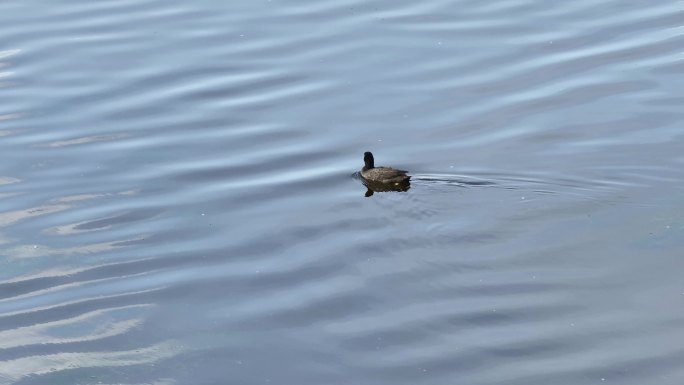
pixel 379 179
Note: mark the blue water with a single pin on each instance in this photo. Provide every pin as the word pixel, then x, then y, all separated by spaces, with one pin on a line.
pixel 178 202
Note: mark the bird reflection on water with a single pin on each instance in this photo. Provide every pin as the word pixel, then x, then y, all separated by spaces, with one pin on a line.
pixel 374 187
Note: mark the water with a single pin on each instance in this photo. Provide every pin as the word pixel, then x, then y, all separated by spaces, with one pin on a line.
pixel 178 202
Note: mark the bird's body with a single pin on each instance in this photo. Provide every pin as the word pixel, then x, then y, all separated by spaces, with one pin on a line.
pixel 386 175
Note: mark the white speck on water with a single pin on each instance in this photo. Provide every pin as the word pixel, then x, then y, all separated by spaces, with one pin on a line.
pixel 379 140
pixel 451 166
pixel 572 324
pixel 523 198
pixel 35 246
pixel 603 379
pixel 202 214
pixel 439 43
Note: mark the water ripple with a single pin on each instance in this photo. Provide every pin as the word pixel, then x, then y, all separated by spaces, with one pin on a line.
pixel 176 203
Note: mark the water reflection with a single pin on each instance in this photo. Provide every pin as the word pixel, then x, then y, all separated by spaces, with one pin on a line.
pixel 14 370
pixel 41 250
pixel 55 205
pixel 91 326
pixel 373 187
pixel 83 140
pixel 8 180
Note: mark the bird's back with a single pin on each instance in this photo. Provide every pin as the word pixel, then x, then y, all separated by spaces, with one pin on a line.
pixel 385 175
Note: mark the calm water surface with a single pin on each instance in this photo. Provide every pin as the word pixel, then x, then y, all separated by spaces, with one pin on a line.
pixel 178 202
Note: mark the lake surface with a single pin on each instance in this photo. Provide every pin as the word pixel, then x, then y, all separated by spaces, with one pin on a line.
pixel 179 203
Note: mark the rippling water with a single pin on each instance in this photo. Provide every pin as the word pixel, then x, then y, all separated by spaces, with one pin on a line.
pixel 178 205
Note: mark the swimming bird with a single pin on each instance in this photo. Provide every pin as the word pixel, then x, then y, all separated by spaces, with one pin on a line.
pixel 385 175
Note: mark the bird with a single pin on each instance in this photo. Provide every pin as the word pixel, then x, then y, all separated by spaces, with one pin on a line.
pixel 383 175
